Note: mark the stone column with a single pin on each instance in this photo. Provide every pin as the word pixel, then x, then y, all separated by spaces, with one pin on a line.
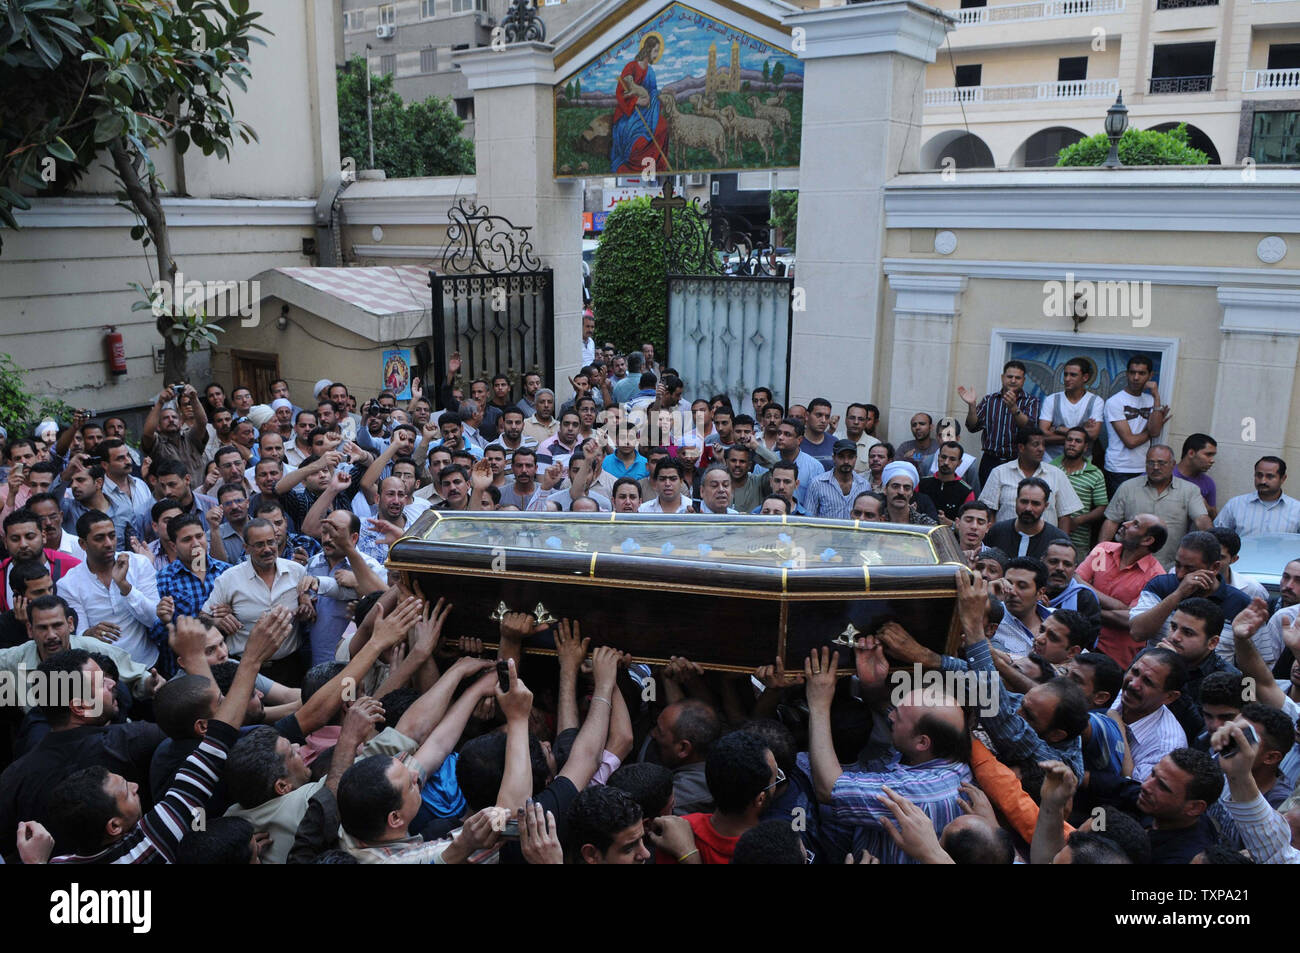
pixel 921 362
pixel 1255 383
pixel 864 83
pixel 514 147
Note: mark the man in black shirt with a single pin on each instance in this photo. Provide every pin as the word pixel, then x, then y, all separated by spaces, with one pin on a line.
pixel 1028 534
pixel 80 737
pixel 948 491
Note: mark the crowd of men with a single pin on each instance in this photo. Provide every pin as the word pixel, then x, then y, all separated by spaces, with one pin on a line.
pixel 248 685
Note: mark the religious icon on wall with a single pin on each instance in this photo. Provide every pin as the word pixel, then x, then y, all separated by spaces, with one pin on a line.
pixel 681 93
pixel 397 372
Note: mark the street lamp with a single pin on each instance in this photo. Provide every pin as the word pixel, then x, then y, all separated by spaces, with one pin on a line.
pixel 1116 123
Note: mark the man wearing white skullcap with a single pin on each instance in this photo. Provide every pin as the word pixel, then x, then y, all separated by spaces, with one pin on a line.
pixel 898 480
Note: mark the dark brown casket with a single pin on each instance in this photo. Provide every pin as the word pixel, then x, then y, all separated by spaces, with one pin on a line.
pixel 728 592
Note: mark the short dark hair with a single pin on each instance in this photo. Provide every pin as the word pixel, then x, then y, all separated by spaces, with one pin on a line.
pixel 1084 365
pixel 1281 464
pixel 1031 564
pixel 1204 543
pixel 482 765
pixel 256 523
pixel 222 840
pixel 698 723
pixel 254 766
pixel 1207 777
pixel 1228 539
pixel 24 571
pixel 1024 435
pixel 366 797
pixel 772 842
pixel 596 817
pixel 1210 613
pixel 1087 847
pixel 670 463
pixel 225 452
pixel 947 741
pixel 171 467
pixel 1079 630
pixel 1223 688
pixel 1159 536
pixel 181 702
pixel 625 481
pixel 794 422
pixel 1279 732
pixel 736 771
pixel 318 676
pixel 1177 677
pixel 781 499
pixel 1018 364
pixel 91 518
pixel 1197 442
pixel 1127 832
pixel 1141 359
pixel 1107 676
pixel 974 845
pixel 1071 707
pixel 64 663
pixel 822 402
pixel 1037 482
pixel 450 417
pixel 650 785
pixel 162 506
pixel 23 515
pixel 451 470
pixel 78 811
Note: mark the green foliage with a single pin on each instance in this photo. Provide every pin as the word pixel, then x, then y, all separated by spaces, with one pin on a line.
pixel 79 76
pixel 20 411
pixel 1136 147
pixel 767 71
pixel 785 215
pixel 778 73
pixel 629 289
pixel 418 139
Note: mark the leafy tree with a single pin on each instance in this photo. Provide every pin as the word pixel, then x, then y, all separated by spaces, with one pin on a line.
pixel 785 214
pixel 778 74
pixel 85 78
pixel 577 87
pixel 629 286
pixel 1136 147
pixel 20 411
pixel 418 139
pixel 767 72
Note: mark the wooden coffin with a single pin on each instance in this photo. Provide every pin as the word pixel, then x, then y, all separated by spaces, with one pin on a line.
pixel 728 592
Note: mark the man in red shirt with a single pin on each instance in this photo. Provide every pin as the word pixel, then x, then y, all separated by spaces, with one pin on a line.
pixel 1117 571
pixel 742 774
pixel 23 539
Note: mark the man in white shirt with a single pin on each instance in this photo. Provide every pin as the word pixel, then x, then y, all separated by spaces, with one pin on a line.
pixel 46 508
pixel 669 485
pixel 588 337
pixel 1152 682
pixel 1134 417
pixel 249 589
pixel 715 491
pixel 300 449
pixel 115 597
pixel 1003 481
pixel 1072 407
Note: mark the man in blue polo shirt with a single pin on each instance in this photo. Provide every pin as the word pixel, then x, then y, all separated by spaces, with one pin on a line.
pixel 1197 566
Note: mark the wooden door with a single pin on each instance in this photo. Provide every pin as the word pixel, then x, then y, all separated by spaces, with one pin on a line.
pixel 256 370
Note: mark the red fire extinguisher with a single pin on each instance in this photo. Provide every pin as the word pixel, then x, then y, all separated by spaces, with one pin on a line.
pixel 116 351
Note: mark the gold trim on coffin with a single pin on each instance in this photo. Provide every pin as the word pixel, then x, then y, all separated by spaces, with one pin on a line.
pixel 677 587
pixel 654 660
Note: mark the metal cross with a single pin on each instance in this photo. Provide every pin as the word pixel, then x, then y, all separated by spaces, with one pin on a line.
pixel 668 202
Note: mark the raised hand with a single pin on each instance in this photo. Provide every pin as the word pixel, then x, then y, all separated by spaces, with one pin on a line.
pixel 166 609
pixel 517 703
pixel 268 634
pixel 914 833
pixel 187 636
pixel 430 625
pixel 901 644
pixel 1250 619
pixel 972 603
pixel 517 626
pixel 774 676
pixel 361 720
pixel 1059 784
pixel 820 671
pixel 392 628
pixel 869 660
pixel 453 364
pixel 967 394
pixel 571 647
pixel 121 566
pixel 976 802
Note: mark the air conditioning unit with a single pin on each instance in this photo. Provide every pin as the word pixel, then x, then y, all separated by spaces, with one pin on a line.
pixel 695 178
pixel 484 20
pixel 385 31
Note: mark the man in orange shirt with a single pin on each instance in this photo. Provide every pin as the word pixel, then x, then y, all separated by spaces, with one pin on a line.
pixel 1117 571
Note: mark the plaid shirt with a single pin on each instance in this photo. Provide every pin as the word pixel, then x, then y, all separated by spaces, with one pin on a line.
pixel 295 540
pixel 188 593
pixel 999 423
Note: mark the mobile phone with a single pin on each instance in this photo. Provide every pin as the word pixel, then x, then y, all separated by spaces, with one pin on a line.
pixel 511 830
pixel 1231 748
pixel 503 677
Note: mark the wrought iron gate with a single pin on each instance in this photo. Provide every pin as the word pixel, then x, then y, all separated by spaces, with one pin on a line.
pixel 730 311
pixel 492 302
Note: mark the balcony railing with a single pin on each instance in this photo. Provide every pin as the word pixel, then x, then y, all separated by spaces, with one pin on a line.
pixel 1023 92
pixel 1041 10
pixel 1257 80
pixel 1182 84
pixel 1179 4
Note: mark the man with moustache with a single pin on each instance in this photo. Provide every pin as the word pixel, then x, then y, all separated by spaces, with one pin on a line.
pixel 831 494
pixel 946 490
pixel 1028 534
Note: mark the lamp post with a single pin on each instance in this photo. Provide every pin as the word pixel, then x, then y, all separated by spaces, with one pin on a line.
pixel 1116 123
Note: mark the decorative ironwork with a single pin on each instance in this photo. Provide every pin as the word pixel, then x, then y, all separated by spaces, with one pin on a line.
pixel 478 242
pixel 702 240
pixel 521 24
pixel 1182 84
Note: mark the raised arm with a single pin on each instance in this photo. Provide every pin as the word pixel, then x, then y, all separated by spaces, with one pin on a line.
pixel 571 650
pixel 820 675
pixel 588 747
pixel 517 780
pixel 1059 784
pixel 1244 626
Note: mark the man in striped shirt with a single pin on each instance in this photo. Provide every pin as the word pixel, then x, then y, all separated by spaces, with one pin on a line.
pixel 97 813
pixel 999 416
pixel 928 765
pixel 1154 680
pixel 1268 509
